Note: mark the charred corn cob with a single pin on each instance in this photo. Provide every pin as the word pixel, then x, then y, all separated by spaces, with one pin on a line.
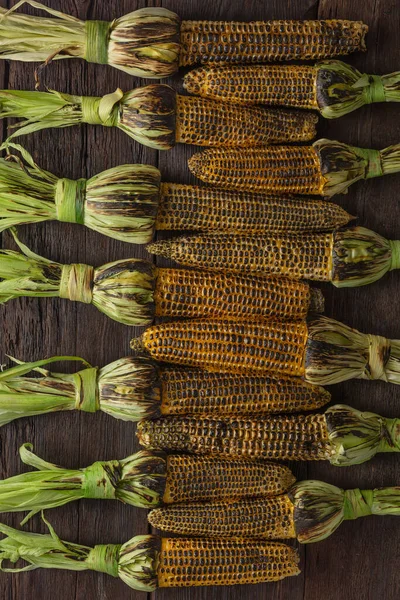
pixel 133 291
pixel 222 42
pixel 342 435
pixel 346 258
pixel 332 87
pixel 152 42
pixel 143 479
pixel 326 168
pixel 158 117
pixel 135 387
pixel 206 208
pixel 128 203
pixel 310 511
pixel 147 562
pixel 323 351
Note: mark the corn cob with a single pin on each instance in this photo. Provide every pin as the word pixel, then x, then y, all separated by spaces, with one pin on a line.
pixel 152 42
pixel 184 293
pixel 310 511
pixel 326 168
pixel 188 207
pixel 158 117
pixel 270 518
pixel 133 291
pixel 332 87
pixel 342 435
pixel 323 351
pixel 147 562
pixel 135 387
pixel 128 203
pixel 197 392
pixel 145 479
pixel 347 258
pixel 265 41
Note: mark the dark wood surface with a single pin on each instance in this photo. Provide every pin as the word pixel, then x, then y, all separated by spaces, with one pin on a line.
pixel 358 561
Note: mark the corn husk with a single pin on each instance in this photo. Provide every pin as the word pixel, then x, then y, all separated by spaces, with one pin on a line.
pixel 138 480
pixel 146 114
pixel 336 352
pixel 133 562
pixel 320 508
pixel 121 202
pixel 123 289
pixel 144 42
pixel 339 166
pixel 126 389
pixel 335 87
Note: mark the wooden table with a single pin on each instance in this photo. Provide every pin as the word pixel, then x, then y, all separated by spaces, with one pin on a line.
pixel 358 561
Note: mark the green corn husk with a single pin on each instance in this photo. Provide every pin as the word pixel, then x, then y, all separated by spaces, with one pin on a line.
pixel 138 480
pixel 358 256
pixel 128 389
pixel 123 289
pixel 336 352
pixel 331 86
pixel 320 508
pixel 339 166
pixel 343 165
pixel 145 42
pixel 351 437
pixel 133 562
pixel 146 114
pixel 121 202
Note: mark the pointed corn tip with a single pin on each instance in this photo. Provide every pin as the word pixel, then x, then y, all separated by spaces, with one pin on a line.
pixel 161 248
pixel 198 163
pixel 193 81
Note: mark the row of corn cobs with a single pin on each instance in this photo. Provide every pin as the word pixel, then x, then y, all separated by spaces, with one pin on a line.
pixel 252 353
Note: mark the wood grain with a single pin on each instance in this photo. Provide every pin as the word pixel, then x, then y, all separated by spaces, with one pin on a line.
pixel 359 560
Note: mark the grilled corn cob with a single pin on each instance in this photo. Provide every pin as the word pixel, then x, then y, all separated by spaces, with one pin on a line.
pixel 346 258
pixel 143 479
pixel 158 117
pixel 222 42
pixel 147 562
pixel 133 291
pixel 128 203
pixel 152 42
pixel 326 168
pixel 332 87
pixel 323 351
pixel 310 511
pixel 205 209
pixel 135 387
pixel 342 435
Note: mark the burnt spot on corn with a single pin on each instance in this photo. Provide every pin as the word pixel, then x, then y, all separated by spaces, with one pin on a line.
pixel 221 42
pixel 335 86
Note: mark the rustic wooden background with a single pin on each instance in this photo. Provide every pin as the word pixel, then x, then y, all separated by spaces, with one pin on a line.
pixel 360 560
